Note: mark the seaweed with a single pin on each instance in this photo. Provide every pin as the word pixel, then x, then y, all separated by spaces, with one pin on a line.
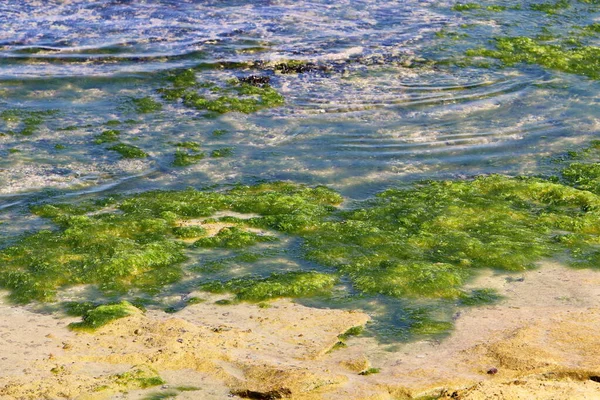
pixel 577 59
pixel 184 159
pixel 233 96
pixel 145 105
pixel 96 317
pixel 479 297
pixel 128 151
pixel 140 377
pixel 108 136
pixel 27 121
pixel 466 6
pixel 224 152
pixel 234 237
pixel 195 146
pixel 290 284
pixel 421 242
pixel 551 8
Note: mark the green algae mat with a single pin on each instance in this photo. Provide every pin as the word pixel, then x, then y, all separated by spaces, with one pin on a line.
pixel 421 242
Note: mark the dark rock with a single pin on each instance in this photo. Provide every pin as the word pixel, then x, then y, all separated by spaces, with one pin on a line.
pixel 270 395
pixel 256 80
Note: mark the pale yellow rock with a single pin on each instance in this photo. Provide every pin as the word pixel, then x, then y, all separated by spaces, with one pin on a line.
pixel 543 340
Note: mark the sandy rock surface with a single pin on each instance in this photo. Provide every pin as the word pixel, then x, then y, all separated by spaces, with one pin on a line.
pixel 542 342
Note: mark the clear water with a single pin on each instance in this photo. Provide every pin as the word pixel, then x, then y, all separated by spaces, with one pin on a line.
pixel 370 123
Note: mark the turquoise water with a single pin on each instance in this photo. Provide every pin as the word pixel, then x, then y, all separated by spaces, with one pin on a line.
pixel 389 101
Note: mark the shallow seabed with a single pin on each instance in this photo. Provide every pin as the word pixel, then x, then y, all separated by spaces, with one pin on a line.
pixel 102 101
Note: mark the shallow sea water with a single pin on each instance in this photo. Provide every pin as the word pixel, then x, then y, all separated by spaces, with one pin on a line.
pixel 385 112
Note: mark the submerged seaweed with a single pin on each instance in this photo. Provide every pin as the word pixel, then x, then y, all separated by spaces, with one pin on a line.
pixel 423 242
pixel 24 122
pixel 233 95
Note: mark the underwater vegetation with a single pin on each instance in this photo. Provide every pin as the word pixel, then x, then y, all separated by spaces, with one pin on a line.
pixel 291 284
pixel 184 159
pixel 108 136
pixel 560 45
pixel 224 152
pixel 128 150
pixel 146 105
pixel 23 122
pixel 235 95
pixel 134 243
pixel 574 59
pixel 188 153
pixel 423 242
pixel 234 237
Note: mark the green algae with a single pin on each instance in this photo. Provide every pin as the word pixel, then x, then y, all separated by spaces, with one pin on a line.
pixel 420 322
pixel 496 8
pixel 429 240
pixel 231 96
pixel 128 150
pixel 575 52
pixel 135 245
pixel 169 394
pixel 189 232
pixel 96 317
pixel 195 146
pixel 478 297
pixel 113 251
pixel 233 237
pixel 370 371
pixel 466 6
pixel 220 153
pixel 558 44
pixel 139 377
pixel 24 122
pixel 108 136
pixel 145 105
pixel 290 284
pixel 551 8
pixel 476 6
pixel 354 331
pixel 184 159
pixel 219 132
pixel 422 242
pixel 577 59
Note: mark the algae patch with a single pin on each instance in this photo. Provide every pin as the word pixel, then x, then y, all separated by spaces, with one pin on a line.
pixel 135 244
pixel 146 105
pixel 24 122
pixel 108 136
pixel 556 43
pixel 184 159
pixel 291 284
pixel 232 96
pixel 128 150
pixel 414 244
pixel 574 59
pixel 99 316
